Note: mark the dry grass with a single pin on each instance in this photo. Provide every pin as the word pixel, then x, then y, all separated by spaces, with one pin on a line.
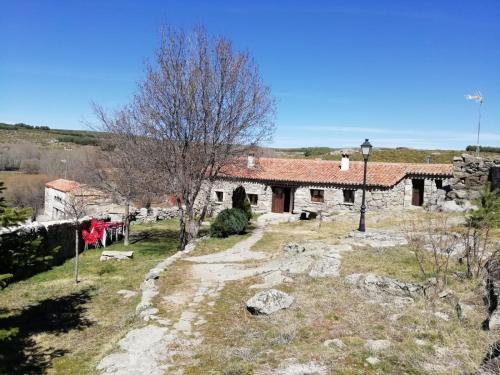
pixel 239 343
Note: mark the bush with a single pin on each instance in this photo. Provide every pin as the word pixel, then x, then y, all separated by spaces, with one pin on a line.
pixel 241 201
pixel 228 222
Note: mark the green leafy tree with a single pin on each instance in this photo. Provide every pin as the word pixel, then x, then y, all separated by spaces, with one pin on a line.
pixel 241 201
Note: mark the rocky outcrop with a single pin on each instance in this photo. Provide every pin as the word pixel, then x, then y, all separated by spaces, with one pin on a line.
pixel 268 302
pixel 385 289
pixel 493 294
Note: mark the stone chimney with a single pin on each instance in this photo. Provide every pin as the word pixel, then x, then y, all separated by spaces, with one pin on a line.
pixel 250 161
pixel 344 162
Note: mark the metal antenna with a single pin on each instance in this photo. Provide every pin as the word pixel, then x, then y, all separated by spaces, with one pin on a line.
pixel 477 97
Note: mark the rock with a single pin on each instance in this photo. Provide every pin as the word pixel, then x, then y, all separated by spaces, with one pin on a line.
pixel 450 206
pixel 334 343
pixel 268 302
pixel 377 345
pixel 294 248
pixel 442 315
pixel 293 368
pixel 445 293
pixel 272 279
pixel 491 361
pixel 420 342
pixel 118 255
pixel 148 313
pixel 153 274
pixel 324 267
pixel 379 238
pixel 127 293
pixel 494 321
pixel 384 285
pixel 463 310
pixel 372 360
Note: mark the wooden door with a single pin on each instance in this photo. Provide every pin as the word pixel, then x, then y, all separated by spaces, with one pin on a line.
pixel 278 204
pixel 417 198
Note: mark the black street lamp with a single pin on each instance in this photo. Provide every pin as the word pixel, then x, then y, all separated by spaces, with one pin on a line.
pixel 366 147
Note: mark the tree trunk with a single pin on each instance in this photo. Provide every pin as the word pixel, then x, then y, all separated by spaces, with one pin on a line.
pixel 76 255
pixel 188 228
pixel 126 224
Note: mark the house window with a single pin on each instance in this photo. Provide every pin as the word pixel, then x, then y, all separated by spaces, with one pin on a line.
pixel 253 198
pixel 317 195
pixel 219 195
pixel 439 184
pixel 348 196
pixel 58 199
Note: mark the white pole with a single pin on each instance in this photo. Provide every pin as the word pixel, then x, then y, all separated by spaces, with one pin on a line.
pixel 478 126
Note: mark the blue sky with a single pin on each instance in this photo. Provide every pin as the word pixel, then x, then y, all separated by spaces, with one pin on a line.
pixel 393 71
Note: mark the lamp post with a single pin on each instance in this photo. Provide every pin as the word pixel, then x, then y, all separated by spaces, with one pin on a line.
pixel 366 147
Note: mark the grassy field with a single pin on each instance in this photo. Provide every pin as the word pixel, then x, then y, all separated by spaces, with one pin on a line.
pixel 50 325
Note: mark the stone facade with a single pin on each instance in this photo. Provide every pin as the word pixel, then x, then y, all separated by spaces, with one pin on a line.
pixel 398 196
pixel 470 174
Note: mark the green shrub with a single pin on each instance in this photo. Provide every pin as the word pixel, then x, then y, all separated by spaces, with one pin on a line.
pixel 241 201
pixel 228 222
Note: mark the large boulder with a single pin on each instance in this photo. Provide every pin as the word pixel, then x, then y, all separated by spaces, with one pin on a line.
pixel 268 302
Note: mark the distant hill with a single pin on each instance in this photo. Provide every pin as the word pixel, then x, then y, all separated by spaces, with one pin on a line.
pixel 44 135
pixel 57 138
pixel 392 155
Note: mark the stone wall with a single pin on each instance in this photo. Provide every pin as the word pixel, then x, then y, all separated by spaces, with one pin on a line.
pixel 28 249
pixel 470 174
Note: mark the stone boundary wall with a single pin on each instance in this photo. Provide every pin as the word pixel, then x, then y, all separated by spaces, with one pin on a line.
pixel 31 248
pixel 470 174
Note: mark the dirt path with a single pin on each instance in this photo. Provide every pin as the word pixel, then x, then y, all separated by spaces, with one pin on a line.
pixel 163 344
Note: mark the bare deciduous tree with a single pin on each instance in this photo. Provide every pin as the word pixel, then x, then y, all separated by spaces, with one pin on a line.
pixel 126 173
pixel 75 208
pixel 201 105
pixel 434 244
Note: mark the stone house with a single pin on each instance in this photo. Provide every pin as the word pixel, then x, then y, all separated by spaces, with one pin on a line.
pixel 59 193
pixel 305 185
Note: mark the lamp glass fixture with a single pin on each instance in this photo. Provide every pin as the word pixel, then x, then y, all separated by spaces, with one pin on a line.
pixel 366 148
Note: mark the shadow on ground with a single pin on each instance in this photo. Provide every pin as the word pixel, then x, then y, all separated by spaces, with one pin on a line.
pixel 154 236
pixel 19 352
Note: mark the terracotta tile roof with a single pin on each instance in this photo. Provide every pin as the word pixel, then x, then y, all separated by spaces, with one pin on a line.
pixel 62 185
pixel 328 172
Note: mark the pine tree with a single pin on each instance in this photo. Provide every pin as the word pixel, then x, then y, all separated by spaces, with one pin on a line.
pixel 10 216
pixel 241 201
pixel 488 209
